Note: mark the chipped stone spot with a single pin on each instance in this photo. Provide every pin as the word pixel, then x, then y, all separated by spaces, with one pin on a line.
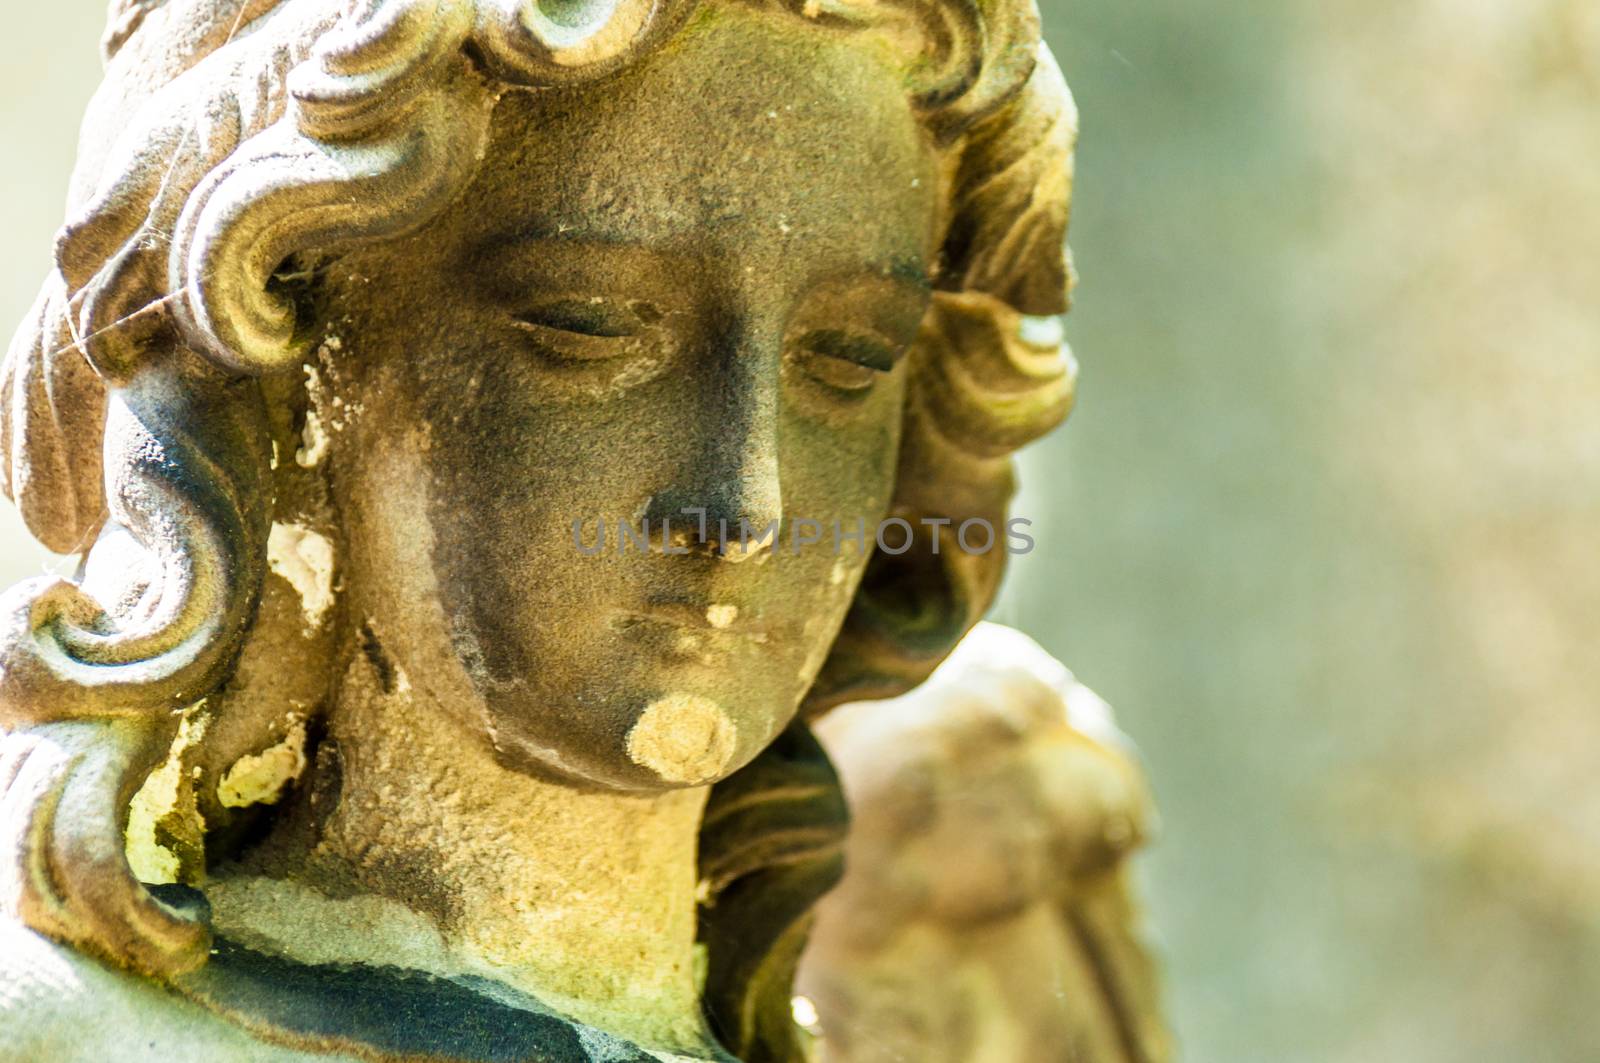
pixel 313 442
pixel 304 558
pixel 683 738
pixel 314 436
pixel 722 616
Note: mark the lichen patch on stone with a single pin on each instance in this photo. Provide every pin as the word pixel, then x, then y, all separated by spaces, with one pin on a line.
pixel 162 796
pixel 260 778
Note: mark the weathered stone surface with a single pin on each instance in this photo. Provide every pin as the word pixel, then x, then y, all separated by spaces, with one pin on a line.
pixel 360 316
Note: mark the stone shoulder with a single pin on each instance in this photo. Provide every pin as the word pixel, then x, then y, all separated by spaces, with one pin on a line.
pixel 60 1006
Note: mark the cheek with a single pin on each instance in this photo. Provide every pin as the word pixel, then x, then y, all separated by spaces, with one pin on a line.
pixel 839 472
pixel 842 466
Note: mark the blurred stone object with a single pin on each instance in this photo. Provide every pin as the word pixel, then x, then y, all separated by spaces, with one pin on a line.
pixel 986 913
pixel 375 335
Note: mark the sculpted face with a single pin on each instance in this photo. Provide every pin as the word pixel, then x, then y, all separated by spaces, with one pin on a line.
pixel 690 286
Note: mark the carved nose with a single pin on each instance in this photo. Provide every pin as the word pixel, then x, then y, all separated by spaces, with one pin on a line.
pixel 735 515
pixel 728 500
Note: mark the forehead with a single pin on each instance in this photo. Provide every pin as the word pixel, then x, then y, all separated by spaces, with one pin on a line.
pixel 752 134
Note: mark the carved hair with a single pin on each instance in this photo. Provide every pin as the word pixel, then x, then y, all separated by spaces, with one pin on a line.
pixel 235 137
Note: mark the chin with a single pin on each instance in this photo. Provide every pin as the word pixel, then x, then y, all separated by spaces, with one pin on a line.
pixel 673 739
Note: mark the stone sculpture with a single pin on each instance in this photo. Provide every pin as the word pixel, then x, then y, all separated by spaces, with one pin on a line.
pixel 366 321
pixel 985 913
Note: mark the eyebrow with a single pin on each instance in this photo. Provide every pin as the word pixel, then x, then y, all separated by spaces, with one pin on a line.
pixel 510 252
pixel 510 248
pixel 507 257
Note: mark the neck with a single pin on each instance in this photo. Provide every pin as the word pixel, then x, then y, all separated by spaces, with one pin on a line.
pixel 415 847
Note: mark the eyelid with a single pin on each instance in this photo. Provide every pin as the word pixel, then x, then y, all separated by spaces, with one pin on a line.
pixel 594 316
pixel 861 348
pixel 563 347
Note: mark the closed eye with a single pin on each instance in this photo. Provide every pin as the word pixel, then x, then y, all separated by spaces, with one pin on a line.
pixel 596 329
pixel 596 316
pixel 844 361
pixel 851 347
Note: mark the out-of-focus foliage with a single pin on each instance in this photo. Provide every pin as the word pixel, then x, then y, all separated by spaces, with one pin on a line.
pixel 1326 526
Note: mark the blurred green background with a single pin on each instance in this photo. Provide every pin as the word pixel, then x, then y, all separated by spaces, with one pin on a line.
pixel 1326 525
